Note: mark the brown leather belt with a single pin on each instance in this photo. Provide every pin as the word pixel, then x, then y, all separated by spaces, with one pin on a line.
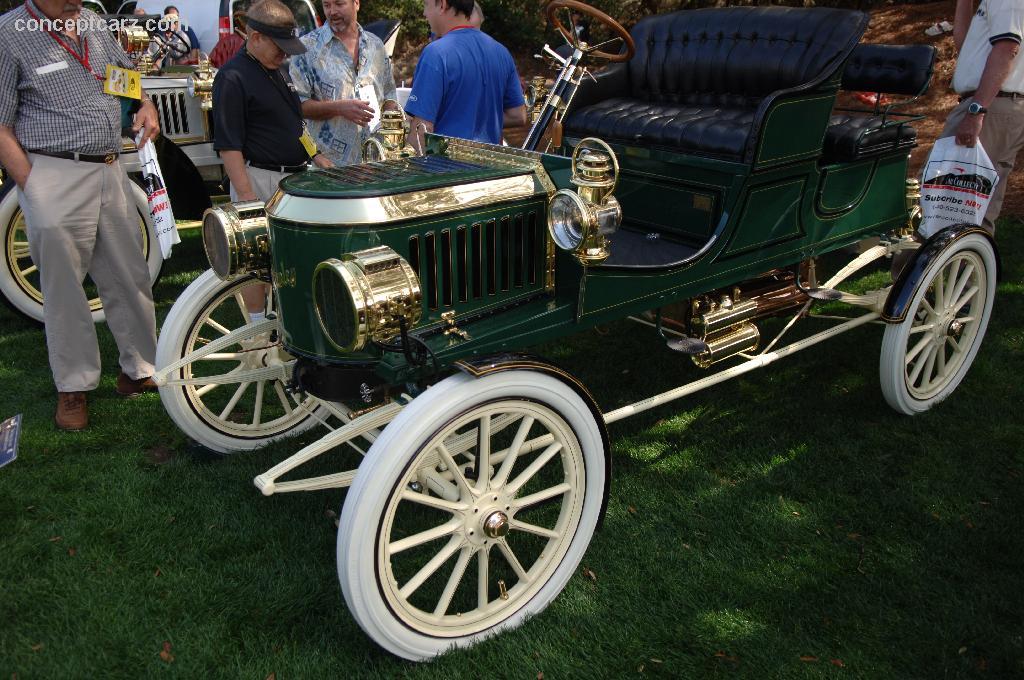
pixel 1008 95
pixel 107 158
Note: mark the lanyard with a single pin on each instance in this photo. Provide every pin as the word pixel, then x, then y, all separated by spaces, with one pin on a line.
pixel 83 59
pixel 455 28
pixel 278 83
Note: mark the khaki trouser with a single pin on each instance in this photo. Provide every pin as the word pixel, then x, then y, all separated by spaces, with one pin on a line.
pixel 264 183
pixel 1002 136
pixel 80 218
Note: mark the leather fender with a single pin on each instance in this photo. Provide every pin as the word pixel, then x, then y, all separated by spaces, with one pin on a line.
pixel 480 366
pixel 898 303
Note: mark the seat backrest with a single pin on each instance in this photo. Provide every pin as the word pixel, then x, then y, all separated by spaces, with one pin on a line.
pixel 894 69
pixel 744 52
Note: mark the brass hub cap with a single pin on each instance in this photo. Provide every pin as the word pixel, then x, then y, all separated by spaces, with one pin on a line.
pixel 955 329
pixel 496 525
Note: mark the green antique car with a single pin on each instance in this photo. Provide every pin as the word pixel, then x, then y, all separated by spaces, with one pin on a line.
pixel 689 186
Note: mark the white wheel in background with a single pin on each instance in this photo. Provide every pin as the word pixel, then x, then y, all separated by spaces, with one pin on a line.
pixel 925 356
pixel 19 278
pixel 454 529
pixel 233 414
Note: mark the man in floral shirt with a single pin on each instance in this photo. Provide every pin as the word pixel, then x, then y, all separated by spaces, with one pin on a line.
pixel 334 79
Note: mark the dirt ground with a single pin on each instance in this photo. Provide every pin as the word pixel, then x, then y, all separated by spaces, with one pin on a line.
pixel 893 25
pixel 905 25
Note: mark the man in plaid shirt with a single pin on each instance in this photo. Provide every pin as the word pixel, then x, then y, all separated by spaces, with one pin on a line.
pixel 60 137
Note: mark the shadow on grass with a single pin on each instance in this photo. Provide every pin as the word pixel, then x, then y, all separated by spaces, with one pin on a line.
pixel 786 514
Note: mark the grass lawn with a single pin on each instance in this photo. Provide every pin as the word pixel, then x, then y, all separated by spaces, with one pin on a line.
pixel 785 524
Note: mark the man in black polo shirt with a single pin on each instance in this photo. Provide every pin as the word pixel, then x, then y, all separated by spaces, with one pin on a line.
pixel 258 127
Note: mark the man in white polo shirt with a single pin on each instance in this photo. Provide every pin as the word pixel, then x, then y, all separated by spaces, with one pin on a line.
pixel 990 81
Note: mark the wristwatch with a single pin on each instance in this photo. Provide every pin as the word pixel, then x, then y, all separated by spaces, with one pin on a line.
pixel 975 109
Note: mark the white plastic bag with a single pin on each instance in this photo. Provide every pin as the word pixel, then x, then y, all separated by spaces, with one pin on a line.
pixel 956 186
pixel 159 204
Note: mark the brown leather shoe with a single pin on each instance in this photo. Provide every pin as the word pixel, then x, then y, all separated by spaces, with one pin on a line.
pixel 130 387
pixel 72 411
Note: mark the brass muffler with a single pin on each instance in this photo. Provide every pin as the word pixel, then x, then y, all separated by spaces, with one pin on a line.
pixel 734 340
pixel 726 330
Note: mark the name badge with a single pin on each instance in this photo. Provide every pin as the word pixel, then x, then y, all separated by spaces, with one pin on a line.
pixel 50 68
pixel 122 82
pixel 307 142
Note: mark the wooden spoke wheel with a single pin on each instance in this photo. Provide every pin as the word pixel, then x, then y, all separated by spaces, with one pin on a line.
pixel 226 400
pixel 926 356
pixel 471 511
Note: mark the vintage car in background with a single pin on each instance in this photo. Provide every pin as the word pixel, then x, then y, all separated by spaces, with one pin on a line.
pixel 691 187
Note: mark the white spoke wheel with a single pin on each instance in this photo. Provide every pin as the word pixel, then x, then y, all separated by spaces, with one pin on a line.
pixel 217 401
pixel 925 356
pixel 19 277
pixel 471 512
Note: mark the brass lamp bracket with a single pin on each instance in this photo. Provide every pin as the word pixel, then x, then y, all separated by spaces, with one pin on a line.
pixel 452 329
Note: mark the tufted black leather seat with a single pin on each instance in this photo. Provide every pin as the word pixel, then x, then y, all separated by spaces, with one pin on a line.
pixel 701 80
pixel 716 128
pixel 893 69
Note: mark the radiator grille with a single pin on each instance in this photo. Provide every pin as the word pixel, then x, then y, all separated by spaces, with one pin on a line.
pixel 173 113
pixel 479 262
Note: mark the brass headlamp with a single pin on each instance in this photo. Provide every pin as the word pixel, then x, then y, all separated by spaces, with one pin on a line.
pixel 389 141
pixel 237 240
pixel 580 221
pixel 135 41
pixel 200 83
pixel 365 296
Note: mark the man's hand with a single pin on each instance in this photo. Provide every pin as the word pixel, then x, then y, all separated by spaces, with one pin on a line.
pixel 419 129
pixel 355 110
pixel 322 161
pixel 968 130
pixel 147 118
pixel 13 157
pixel 234 166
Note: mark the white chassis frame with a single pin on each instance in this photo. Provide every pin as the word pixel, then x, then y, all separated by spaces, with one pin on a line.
pixel 368 426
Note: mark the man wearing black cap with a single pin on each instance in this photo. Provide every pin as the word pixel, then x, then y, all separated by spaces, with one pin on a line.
pixel 258 126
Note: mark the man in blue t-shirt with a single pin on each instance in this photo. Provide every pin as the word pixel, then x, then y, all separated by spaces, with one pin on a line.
pixel 466 84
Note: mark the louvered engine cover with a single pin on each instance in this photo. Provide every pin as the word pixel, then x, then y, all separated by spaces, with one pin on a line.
pixel 473 232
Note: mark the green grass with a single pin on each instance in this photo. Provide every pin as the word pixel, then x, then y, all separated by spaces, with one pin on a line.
pixel 786 514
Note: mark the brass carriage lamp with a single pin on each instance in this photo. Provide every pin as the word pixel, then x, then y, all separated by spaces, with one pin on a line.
pixel 580 221
pixel 390 140
pixel 200 83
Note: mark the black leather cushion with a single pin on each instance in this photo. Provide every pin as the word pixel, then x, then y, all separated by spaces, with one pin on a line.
pixel 717 128
pixel 752 51
pixel 850 137
pixel 699 76
pixel 896 69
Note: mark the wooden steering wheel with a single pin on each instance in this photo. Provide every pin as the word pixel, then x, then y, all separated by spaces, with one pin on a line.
pixel 592 50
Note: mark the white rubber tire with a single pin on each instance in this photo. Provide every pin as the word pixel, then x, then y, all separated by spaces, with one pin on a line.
pixel 23 295
pixel 390 461
pixel 186 409
pixel 907 384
